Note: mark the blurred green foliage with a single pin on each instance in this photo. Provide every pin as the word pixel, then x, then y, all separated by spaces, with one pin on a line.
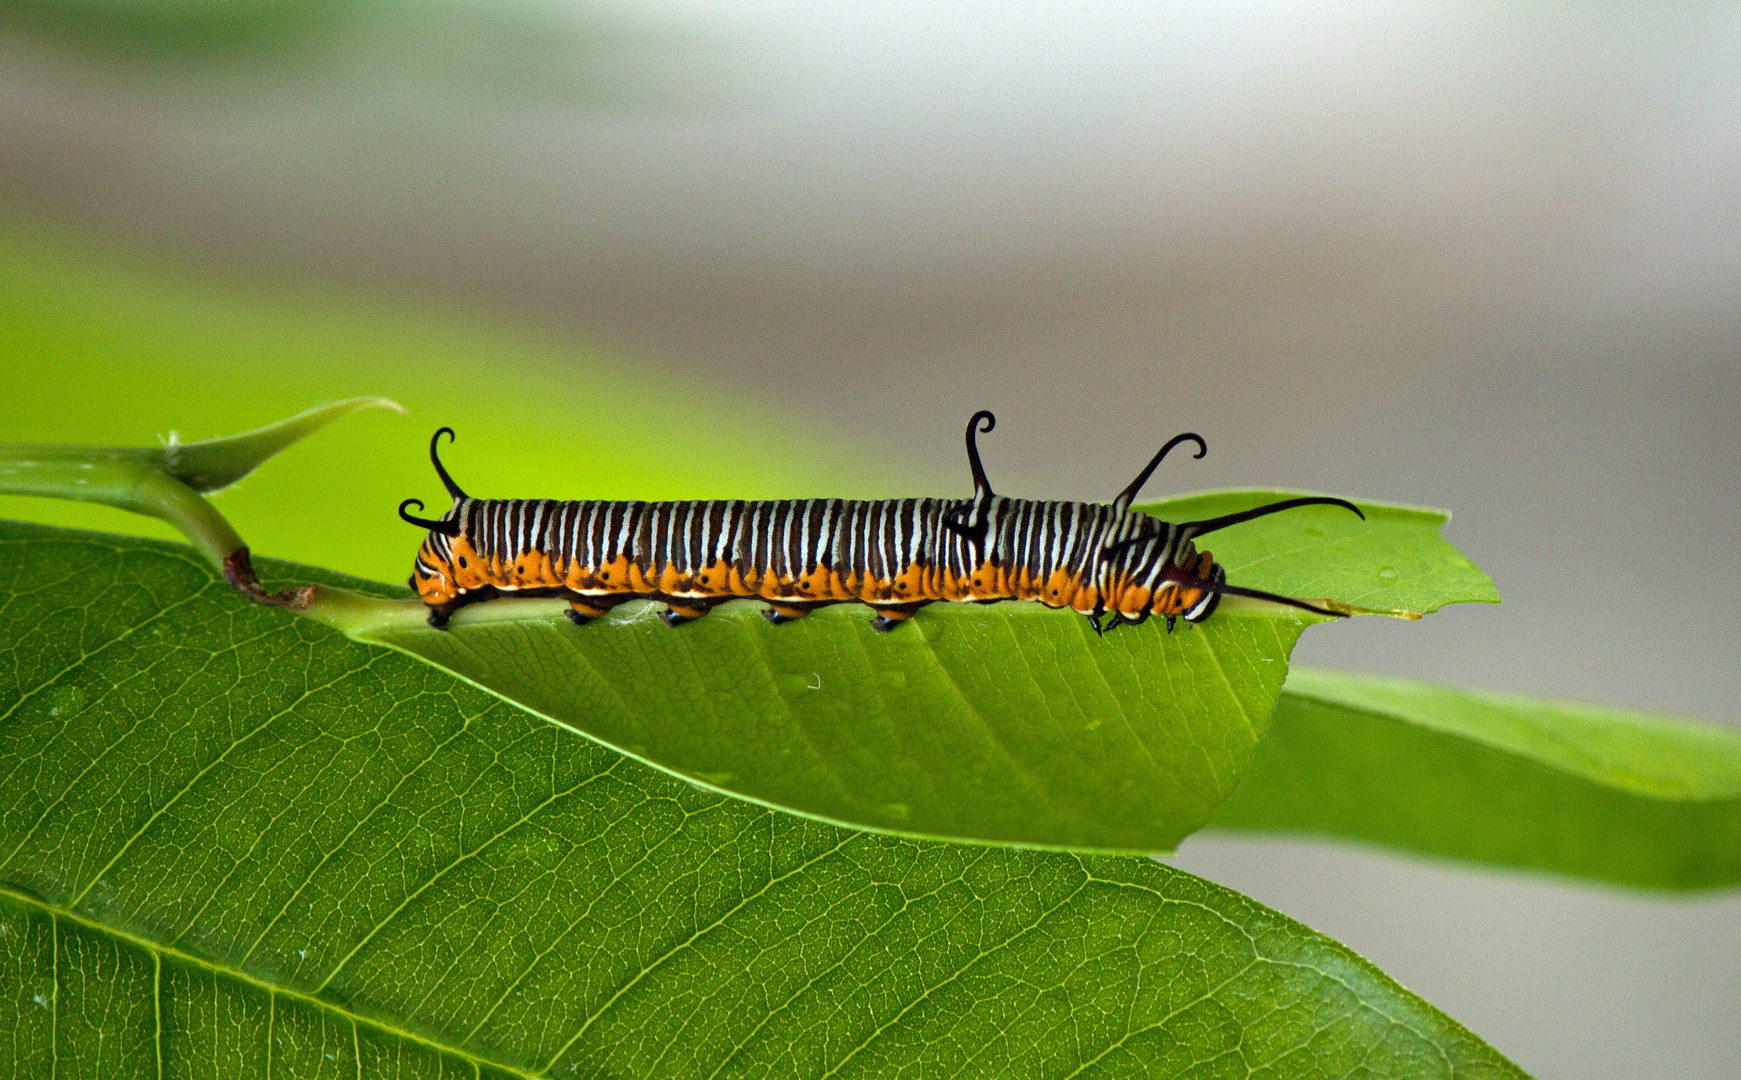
pixel 596 52
pixel 182 27
pixel 170 348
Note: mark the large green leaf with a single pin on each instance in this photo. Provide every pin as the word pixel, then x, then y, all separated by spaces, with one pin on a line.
pixel 1010 724
pixel 1572 788
pixel 234 843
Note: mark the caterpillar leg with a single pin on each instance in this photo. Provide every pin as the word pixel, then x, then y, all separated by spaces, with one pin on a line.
pixel 888 616
pixel 438 615
pixel 783 613
pixel 677 614
pixel 581 612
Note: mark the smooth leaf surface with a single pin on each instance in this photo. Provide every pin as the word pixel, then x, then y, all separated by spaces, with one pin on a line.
pixel 239 844
pixel 1010 723
pixel 1394 563
pixel 1567 787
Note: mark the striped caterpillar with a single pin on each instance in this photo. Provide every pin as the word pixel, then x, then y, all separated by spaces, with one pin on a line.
pixel 895 555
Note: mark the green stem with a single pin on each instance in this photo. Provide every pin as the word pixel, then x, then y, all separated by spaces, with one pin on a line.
pixel 166 483
pixel 355 614
pixel 100 476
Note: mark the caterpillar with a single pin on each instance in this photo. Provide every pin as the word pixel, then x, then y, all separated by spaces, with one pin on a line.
pixel 1101 560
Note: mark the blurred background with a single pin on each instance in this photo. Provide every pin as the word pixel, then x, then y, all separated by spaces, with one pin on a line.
pixel 1479 256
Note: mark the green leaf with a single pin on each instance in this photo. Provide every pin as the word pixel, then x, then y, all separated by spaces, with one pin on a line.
pixel 1578 789
pixel 235 842
pixel 215 464
pixel 1011 724
pixel 1393 563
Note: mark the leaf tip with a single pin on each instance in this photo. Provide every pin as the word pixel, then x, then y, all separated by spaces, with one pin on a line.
pixel 375 403
pixel 215 464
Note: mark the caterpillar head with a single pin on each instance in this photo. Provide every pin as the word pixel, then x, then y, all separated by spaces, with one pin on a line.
pixel 435 574
pixel 1158 578
pixel 1148 575
pixel 445 562
pixel 1177 598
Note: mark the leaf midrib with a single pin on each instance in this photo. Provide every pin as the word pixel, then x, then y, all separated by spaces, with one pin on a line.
pixel 158 951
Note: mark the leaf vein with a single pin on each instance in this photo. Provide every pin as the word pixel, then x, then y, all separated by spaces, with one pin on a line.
pixel 215 970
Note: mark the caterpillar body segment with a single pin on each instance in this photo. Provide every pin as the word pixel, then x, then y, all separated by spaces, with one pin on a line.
pixel 897 556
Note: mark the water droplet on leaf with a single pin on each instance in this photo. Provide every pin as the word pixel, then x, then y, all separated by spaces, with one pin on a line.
pixel 66 702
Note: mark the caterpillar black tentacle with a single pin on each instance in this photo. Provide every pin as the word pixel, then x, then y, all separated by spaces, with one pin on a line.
pixel 982 493
pixel 1129 494
pixel 1113 566
pixel 435 456
pixel 448 528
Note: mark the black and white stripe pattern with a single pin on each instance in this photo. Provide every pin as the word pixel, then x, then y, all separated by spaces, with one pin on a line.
pixel 877 540
pixel 441 548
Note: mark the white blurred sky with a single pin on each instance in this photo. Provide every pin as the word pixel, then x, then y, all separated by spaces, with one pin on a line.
pixel 1483 256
